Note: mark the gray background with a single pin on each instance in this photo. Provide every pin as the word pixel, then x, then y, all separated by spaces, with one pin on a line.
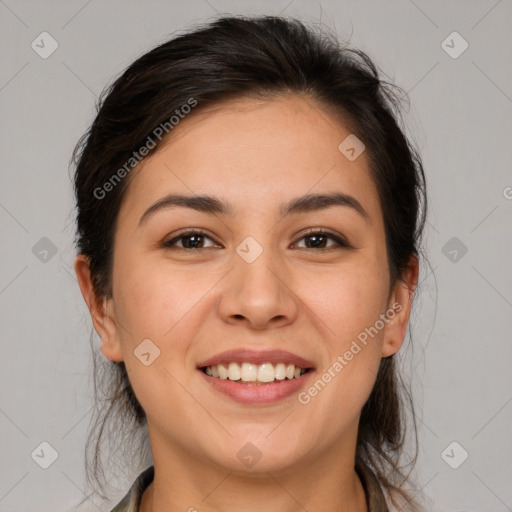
pixel 460 120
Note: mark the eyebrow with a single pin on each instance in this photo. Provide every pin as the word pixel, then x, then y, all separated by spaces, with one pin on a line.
pixel 213 205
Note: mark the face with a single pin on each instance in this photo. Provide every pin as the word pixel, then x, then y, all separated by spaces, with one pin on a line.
pixel 268 274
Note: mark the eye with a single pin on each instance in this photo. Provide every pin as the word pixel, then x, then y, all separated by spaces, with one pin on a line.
pixel 318 239
pixel 193 240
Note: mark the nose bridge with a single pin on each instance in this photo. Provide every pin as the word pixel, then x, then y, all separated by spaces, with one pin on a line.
pixel 256 286
pixel 256 266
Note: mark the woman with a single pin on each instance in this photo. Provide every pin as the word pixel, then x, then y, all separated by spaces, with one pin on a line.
pixel 249 217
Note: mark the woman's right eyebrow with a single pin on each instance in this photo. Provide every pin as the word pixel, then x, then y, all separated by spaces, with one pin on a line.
pixel 213 205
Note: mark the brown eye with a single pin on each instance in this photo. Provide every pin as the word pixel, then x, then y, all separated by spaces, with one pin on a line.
pixel 194 240
pixel 191 240
pixel 319 240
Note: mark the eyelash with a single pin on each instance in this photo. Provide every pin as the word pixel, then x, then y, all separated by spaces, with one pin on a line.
pixel 342 243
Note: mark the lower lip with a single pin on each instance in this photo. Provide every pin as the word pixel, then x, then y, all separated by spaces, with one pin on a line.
pixel 258 394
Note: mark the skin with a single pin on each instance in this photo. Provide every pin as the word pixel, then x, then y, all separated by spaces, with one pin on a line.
pixel 294 296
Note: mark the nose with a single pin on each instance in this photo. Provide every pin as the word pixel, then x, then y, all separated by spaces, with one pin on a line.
pixel 258 294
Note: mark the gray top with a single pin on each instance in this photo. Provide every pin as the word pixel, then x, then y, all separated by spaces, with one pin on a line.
pixel 131 502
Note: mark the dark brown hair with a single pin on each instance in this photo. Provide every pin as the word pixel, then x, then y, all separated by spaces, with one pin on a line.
pixel 230 58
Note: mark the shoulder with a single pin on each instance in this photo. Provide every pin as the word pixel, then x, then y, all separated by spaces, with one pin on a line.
pixel 131 501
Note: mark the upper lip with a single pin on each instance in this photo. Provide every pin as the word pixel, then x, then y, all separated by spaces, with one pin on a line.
pixel 247 355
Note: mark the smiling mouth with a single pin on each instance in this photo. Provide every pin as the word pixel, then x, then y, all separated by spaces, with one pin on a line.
pixel 255 374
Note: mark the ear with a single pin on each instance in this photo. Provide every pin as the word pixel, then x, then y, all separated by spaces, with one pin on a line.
pixel 101 311
pixel 400 302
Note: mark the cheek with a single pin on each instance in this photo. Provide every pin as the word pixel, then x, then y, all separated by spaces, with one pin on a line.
pixel 152 298
pixel 164 306
pixel 347 300
pixel 349 307
pixel 349 304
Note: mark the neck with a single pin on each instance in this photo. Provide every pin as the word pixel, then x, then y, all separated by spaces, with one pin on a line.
pixel 183 483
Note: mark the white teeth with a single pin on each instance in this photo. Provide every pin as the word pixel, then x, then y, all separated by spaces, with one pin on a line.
pixel 266 372
pixel 249 372
pixel 234 371
pixel 223 371
pixel 280 371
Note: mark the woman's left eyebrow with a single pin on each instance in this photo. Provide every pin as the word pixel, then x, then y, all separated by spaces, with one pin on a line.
pixel 214 205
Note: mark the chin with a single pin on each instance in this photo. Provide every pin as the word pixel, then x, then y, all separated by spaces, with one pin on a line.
pixel 257 454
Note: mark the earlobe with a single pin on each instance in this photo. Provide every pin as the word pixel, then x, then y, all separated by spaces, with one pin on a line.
pixel 100 308
pixel 400 303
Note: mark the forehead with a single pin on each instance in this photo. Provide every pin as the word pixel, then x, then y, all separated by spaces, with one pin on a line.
pixel 256 152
